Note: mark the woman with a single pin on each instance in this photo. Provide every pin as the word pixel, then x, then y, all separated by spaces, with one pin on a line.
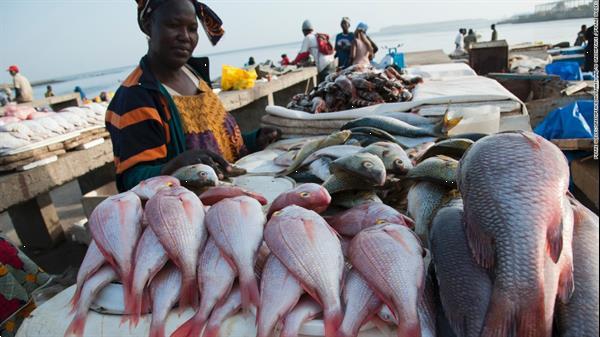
pixel 362 50
pixel 165 115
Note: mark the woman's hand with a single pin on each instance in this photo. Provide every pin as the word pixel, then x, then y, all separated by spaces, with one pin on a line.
pixel 266 136
pixel 192 157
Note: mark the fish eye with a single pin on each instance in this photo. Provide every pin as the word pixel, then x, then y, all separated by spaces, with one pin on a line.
pixel 169 184
pixel 368 164
pixel 277 213
pixel 380 221
pixel 203 174
pixel 304 194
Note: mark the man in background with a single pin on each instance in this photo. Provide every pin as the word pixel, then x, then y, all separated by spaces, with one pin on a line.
pixel 580 36
pixel 470 39
pixel 343 44
pixel 49 92
pixel 310 47
pixel 23 90
pixel 494 33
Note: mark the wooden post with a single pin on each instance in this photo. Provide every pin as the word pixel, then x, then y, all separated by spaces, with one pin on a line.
pixel 36 222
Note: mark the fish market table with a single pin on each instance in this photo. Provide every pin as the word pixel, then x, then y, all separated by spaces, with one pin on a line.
pixel 25 195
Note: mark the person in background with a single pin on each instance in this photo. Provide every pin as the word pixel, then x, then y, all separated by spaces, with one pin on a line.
pixel 251 62
pixel 80 92
pixel 310 47
pixel 580 36
pixel 23 90
pixel 49 92
pixel 103 97
pixel 285 60
pixel 494 32
pixel 165 116
pixel 589 50
pixel 343 44
pixel 470 39
pixel 458 41
pixel 362 51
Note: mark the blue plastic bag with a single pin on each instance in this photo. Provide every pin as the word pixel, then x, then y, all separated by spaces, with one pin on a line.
pixel 568 71
pixel 572 121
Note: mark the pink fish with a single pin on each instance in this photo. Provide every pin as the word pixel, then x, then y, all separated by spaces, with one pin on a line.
pixel 150 257
pixel 390 259
pixel 90 290
pixel 165 289
pixel 92 261
pixel 361 304
pixel 149 187
pixel 279 293
pixel 176 216
pixel 218 193
pixel 312 252
pixel 230 307
pixel 365 215
pixel 215 279
pixel 115 227
pixel 236 226
pixel 303 312
pixel 310 196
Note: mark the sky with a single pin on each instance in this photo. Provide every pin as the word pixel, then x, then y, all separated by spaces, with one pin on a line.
pixel 55 38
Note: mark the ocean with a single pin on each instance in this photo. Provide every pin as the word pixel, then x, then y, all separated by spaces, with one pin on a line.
pixel 548 32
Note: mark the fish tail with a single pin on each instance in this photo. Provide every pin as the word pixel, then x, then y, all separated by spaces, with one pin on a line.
pixel 531 320
pixel 157 330
pixel 131 299
pixel 211 331
pixel 189 292
pixel 566 283
pixel 191 328
pixel 333 319
pixel 76 298
pixel 77 326
pixel 249 289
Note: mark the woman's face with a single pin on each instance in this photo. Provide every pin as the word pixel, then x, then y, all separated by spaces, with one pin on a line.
pixel 174 33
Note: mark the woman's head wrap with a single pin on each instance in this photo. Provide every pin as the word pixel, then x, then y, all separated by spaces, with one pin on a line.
pixel 212 24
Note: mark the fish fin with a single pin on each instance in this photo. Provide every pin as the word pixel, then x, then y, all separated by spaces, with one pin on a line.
pixel 506 318
pixel 500 317
pixel 531 320
pixel 566 283
pixel 332 318
pixel 249 289
pixel 211 331
pixel 481 244
pixel 77 326
pixel 189 292
pixel 534 140
pixel 554 237
pixel 157 330
pixel 76 297
pixel 191 328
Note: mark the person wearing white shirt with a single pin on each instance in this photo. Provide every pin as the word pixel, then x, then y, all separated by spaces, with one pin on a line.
pixel 310 46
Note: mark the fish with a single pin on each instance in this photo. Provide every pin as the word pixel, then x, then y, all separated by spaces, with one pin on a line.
pixel 279 293
pixel 306 310
pixel 441 170
pixel 454 148
pixel 351 199
pixel 150 257
pixel 165 290
pixel 115 225
pixel 411 118
pixel 390 258
pixel 236 226
pixel 218 193
pixel 146 189
pixel 393 156
pixel 471 135
pixel 391 125
pixel 335 138
pixel 310 196
pixel 196 177
pixel 580 316
pixel 312 252
pixel 513 185
pixel 221 313
pixel 367 135
pixel 335 152
pixel 428 305
pixel 366 166
pixel 354 220
pixel 341 182
pixel 176 216
pixel 286 159
pixel 90 290
pixel 424 199
pixel 320 168
pixel 465 287
pixel 361 304
pixel 92 261
pixel 215 281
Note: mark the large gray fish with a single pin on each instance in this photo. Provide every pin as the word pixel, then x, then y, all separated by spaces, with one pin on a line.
pixel 393 156
pixel 90 289
pixel 196 177
pixel 367 135
pixel 165 289
pixel 312 252
pixel 391 125
pixel 424 199
pixel 440 170
pixel 236 226
pixel 354 220
pixel 390 259
pixel 361 304
pixel 411 118
pixel 364 166
pixel 335 152
pixel 215 280
pixel 228 308
pixel 580 316
pixel 320 168
pixel 115 226
pixel 176 216
pixel 465 287
pixel 150 257
pixel 279 293
pixel 92 261
pixel 454 148
pixel 513 186
pixel 303 312
pixel 341 182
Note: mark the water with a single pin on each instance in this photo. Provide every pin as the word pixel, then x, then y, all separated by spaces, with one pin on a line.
pixel 549 32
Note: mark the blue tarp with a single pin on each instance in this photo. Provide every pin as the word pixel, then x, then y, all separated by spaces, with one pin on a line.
pixel 568 71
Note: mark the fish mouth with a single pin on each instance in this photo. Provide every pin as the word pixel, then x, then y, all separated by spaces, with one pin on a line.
pixel 375 177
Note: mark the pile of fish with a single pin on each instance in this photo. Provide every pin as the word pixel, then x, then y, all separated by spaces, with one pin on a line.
pixel 354 87
pixel 23 126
